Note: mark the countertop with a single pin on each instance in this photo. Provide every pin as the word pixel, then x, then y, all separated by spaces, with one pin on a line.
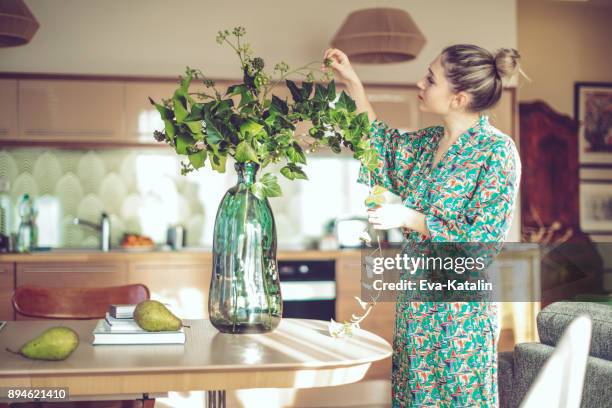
pixel 89 255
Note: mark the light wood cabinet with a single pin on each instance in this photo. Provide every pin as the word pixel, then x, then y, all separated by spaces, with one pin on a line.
pixel 142 119
pixel 72 274
pixel 8 108
pixel 381 319
pixel 183 285
pixel 71 110
pixel 7 284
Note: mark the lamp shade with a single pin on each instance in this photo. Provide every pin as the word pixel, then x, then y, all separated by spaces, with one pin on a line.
pixel 17 23
pixel 379 36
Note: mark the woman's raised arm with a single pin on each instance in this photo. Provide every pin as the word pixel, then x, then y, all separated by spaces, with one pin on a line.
pixel 345 74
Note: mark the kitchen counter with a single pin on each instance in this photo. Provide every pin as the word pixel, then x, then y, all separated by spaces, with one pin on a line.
pixel 87 255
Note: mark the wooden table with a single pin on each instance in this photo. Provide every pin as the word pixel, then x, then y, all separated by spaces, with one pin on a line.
pixel 299 354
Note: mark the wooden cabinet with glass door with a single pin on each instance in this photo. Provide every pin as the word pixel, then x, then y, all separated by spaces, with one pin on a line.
pixel 77 111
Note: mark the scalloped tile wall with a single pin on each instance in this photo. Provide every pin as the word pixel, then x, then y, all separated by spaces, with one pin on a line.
pixel 143 192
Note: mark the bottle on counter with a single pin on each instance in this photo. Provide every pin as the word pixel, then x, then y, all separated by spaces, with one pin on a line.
pixel 5 215
pixel 26 233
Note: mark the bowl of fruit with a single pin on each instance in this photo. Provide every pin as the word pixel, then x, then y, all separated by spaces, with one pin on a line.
pixel 137 242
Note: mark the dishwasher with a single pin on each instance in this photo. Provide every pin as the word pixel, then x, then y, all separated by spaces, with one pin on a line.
pixel 308 289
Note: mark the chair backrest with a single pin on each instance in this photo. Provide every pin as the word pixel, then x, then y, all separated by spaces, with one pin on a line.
pixel 560 381
pixel 74 303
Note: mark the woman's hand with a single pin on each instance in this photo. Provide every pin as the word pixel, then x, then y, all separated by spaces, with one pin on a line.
pixel 343 70
pixel 387 216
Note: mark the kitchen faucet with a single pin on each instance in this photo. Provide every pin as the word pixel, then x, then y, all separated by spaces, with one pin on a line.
pixel 103 227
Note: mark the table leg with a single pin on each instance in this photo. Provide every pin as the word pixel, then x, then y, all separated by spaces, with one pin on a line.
pixel 215 399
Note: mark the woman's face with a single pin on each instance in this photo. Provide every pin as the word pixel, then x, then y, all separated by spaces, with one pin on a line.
pixel 435 94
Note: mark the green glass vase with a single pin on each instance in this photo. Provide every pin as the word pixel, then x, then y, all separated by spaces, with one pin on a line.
pixel 245 294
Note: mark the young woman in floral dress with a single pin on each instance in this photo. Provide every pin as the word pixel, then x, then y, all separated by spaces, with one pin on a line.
pixel 458 183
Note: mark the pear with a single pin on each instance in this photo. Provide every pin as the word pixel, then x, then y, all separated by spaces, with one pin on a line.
pixel 55 344
pixel 153 316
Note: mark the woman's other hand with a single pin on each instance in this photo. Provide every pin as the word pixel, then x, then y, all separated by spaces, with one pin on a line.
pixel 341 66
pixel 387 216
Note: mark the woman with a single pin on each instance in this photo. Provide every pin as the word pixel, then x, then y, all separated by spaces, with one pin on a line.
pixel 459 183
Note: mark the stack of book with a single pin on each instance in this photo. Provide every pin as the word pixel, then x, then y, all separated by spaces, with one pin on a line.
pixel 119 327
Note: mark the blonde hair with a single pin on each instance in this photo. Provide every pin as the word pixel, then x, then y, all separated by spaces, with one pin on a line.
pixel 478 72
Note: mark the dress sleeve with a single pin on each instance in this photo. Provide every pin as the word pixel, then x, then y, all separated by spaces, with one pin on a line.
pixel 487 217
pixel 397 153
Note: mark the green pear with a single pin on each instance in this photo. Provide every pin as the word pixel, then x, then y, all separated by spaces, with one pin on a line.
pixel 56 343
pixel 153 316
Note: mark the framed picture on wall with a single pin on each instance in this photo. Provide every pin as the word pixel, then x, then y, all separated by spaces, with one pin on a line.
pixel 596 200
pixel 593 110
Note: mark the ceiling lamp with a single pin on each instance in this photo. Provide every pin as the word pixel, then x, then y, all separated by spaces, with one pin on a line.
pixel 379 36
pixel 17 23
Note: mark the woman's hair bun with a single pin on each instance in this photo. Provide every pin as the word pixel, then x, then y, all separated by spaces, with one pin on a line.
pixel 506 62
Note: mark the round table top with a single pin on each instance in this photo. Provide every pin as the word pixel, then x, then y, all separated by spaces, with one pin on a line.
pixel 296 345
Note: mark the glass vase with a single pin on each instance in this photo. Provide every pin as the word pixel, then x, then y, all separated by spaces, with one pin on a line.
pixel 245 294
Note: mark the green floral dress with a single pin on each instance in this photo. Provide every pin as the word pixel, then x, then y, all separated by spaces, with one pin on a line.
pixel 445 353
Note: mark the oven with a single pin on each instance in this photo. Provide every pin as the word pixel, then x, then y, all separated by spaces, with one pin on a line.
pixel 308 289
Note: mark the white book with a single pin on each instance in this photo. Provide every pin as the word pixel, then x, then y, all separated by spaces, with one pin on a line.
pixel 122 311
pixel 103 335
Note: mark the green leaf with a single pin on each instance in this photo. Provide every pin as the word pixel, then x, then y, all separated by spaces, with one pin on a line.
pixel 245 152
pixel 198 159
pixel 217 159
pixel 345 102
pixel 306 90
pixel 183 141
pixel 180 110
pixel 296 154
pixel 250 127
pixel 370 159
pixel 292 172
pixel 170 128
pixel 195 126
pixel 320 93
pixel 164 112
pixel 213 134
pixel 331 91
pixel 266 187
pixel 295 91
pixel 278 105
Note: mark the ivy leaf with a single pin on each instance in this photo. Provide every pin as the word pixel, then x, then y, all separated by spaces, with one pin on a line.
pixel 292 172
pixel 183 141
pixel 346 103
pixel 370 159
pixel 267 186
pixel 278 105
pixel 331 91
pixel 295 91
pixel 250 127
pixel 213 134
pixel 306 90
pixel 245 152
pixel 169 128
pixel 217 159
pixel 195 126
pixel 180 110
pixel 164 112
pixel 198 159
pixel 320 93
pixel 296 154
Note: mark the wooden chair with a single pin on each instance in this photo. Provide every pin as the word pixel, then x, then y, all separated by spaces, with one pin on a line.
pixel 77 304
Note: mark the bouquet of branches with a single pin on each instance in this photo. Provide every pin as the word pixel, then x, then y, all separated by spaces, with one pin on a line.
pixel 208 124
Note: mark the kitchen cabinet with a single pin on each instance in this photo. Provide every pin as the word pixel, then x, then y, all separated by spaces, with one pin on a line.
pixel 8 108
pixel 7 283
pixel 182 285
pixel 142 119
pixel 381 319
pixel 71 110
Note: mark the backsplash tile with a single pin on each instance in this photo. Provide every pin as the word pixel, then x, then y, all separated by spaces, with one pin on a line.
pixel 143 192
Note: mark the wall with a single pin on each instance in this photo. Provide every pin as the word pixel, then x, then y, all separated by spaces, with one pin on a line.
pixel 159 37
pixel 561 43
pixel 143 192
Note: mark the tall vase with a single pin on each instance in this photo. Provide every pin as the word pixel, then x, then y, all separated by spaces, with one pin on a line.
pixel 245 294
